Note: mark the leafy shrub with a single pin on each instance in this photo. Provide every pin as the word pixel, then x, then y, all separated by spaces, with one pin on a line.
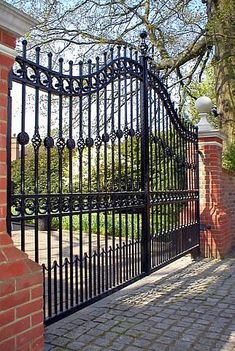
pixel 229 158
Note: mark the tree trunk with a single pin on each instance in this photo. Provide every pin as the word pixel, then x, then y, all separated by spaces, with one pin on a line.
pixel 222 26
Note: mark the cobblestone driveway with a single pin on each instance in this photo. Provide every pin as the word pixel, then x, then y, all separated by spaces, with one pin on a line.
pixel 191 308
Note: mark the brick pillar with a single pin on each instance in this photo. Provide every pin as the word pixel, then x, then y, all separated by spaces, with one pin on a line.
pixel 216 236
pixel 21 293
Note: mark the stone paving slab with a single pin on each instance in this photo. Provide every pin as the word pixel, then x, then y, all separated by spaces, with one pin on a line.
pixel 185 306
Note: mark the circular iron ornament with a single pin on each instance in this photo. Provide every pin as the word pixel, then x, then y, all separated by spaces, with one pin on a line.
pixel 23 138
pixel 36 141
pixel 138 134
pixel 89 142
pixel 30 207
pixel 98 141
pixel 126 132
pixel 143 34
pixel 80 144
pixel 132 132
pixel 113 136
pixel 168 151
pixel 71 144
pixel 60 143
pixel 156 139
pixel 49 142
pixel 119 133
pixel 105 138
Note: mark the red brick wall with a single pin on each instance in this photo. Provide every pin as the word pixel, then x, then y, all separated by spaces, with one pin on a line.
pixel 7 38
pixel 216 239
pixel 228 189
pixel 21 295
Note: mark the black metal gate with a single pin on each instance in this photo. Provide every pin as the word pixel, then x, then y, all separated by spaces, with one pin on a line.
pixel 102 174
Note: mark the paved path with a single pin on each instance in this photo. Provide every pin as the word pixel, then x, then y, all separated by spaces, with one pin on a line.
pixel 54 235
pixel 191 308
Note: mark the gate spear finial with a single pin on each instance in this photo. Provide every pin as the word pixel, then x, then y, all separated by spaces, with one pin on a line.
pixel 143 45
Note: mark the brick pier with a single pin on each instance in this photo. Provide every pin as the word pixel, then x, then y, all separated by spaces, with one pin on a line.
pixel 21 301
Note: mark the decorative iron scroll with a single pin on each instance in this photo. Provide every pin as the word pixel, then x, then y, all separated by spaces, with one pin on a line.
pixel 45 79
pixel 27 206
pixel 172 196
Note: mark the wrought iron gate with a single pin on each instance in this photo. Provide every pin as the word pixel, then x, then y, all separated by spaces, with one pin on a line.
pixel 102 174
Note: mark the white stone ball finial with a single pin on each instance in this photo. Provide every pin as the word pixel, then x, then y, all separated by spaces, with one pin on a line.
pixel 203 104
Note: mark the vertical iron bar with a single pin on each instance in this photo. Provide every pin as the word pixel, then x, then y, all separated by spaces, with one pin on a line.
pixel 167 175
pixel 102 269
pixel 126 132
pixel 133 176
pixel 89 186
pixel 138 171
pixel 9 131
pixel 44 290
pixel 71 190
pixel 110 266
pixel 190 175
pixel 151 175
pixel 60 151
pixel 105 139
pixel 55 287
pixel 146 249
pixel 80 150
pixel 22 154
pixel 117 262
pixel 99 271
pixel 171 189
pixel 94 273
pixel 163 214
pixel 36 160
pixel 85 276
pixel 155 181
pixel 124 260
pixel 161 180
pixel 113 175
pixel 76 278
pixel 36 146
pixel 119 171
pixel 66 263
pixel 49 102
pixel 130 256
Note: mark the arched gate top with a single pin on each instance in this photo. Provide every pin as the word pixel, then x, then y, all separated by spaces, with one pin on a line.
pixel 97 76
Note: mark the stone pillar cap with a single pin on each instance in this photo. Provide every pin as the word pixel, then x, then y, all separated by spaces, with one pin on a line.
pixel 214 133
pixel 206 130
pixel 15 21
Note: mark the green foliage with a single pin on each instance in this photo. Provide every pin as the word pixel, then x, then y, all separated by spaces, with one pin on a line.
pixel 30 170
pixel 205 87
pixel 106 223
pixel 122 224
pixel 229 158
